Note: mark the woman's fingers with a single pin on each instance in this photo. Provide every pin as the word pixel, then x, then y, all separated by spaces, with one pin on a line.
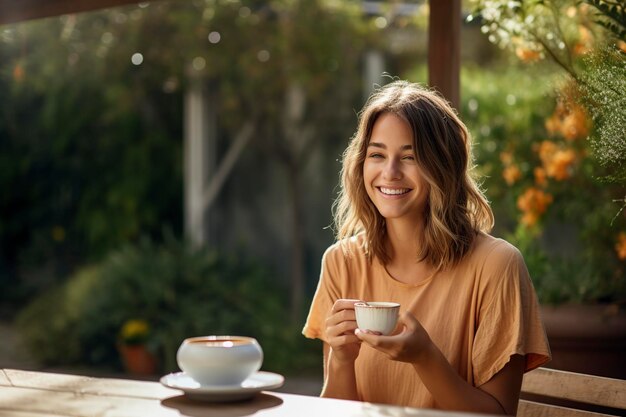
pixel 342 327
pixel 409 321
pixel 343 304
pixel 405 346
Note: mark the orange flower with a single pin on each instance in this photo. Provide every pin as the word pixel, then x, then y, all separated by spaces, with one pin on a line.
pixel 575 124
pixel 546 151
pixel 622 46
pixel 561 164
pixel 526 54
pixel 620 246
pixel 511 174
pixel 540 177
pixel 529 218
pixel 18 73
pixel 569 119
pixel 506 157
pixel 533 203
pixel 585 41
pixel 556 162
pixel 553 124
pixel 571 11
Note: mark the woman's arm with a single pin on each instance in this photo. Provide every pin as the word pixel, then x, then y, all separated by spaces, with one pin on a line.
pixel 499 395
pixel 340 351
pixel 339 378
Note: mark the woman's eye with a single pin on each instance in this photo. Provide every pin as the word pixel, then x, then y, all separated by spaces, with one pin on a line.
pixel 375 155
pixel 409 158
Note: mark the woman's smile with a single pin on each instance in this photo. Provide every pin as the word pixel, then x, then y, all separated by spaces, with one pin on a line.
pixel 393 192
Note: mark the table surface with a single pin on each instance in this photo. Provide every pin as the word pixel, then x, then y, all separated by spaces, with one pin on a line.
pixel 37 394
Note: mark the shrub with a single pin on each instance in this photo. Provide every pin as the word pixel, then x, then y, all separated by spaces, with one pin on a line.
pixel 178 292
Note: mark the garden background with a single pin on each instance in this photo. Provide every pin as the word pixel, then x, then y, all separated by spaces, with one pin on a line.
pixel 93 252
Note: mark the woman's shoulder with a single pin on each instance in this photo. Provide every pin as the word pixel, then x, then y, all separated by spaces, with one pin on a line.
pixel 346 249
pixel 493 250
pixel 349 245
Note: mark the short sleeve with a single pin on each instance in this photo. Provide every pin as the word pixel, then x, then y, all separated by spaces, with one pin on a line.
pixel 509 319
pixel 325 295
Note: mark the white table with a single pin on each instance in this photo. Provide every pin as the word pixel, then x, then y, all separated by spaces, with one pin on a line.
pixel 37 394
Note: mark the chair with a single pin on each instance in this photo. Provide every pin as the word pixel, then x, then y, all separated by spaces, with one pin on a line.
pixel 553 393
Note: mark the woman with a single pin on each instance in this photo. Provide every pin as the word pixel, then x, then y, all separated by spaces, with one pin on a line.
pixel 412 227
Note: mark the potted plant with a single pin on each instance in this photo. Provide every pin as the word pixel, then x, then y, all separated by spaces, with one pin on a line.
pixel 134 348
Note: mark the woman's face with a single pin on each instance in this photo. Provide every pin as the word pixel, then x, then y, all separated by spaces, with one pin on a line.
pixel 392 177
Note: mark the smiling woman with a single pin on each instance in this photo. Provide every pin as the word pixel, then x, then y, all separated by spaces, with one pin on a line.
pixel 412 228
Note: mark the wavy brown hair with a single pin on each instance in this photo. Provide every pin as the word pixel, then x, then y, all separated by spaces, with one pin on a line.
pixel 456 209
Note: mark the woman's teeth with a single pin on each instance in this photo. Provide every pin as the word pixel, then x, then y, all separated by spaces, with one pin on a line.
pixel 394 191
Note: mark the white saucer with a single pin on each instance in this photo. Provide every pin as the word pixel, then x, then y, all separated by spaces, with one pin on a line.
pixel 259 381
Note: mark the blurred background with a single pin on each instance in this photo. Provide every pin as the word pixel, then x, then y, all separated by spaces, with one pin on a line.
pixel 167 169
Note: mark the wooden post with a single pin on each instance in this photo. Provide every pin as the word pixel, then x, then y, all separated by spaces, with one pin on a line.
pixel 444 48
pixel 199 155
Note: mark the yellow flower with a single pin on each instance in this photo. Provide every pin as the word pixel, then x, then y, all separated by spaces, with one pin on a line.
pixel 135 331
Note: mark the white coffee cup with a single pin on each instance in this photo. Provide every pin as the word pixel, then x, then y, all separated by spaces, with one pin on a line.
pixel 219 360
pixel 377 316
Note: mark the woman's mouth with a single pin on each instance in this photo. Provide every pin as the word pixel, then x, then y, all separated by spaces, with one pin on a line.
pixel 394 191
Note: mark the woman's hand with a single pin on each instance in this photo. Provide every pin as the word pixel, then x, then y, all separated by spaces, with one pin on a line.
pixel 340 327
pixel 499 395
pixel 407 346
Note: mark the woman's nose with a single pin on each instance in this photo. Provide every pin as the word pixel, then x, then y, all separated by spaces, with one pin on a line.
pixel 391 170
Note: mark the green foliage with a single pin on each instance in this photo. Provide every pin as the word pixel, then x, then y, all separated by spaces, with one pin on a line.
pixel 583 44
pixel 611 15
pixel 604 93
pixel 179 292
pixel 91 144
pixel 76 129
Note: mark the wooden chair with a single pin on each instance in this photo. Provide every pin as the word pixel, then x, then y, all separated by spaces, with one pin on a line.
pixel 552 393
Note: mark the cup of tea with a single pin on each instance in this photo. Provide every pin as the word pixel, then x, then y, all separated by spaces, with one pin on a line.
pixel 377 316
pixel 219 360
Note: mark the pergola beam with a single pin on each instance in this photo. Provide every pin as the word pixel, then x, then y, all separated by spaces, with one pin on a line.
pixel 14 11
pixel 444 49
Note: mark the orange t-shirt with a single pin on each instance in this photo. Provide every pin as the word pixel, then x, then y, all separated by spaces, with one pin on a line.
pixel 479 313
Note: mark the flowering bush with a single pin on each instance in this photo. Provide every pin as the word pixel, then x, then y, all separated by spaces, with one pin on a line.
pixel 567 172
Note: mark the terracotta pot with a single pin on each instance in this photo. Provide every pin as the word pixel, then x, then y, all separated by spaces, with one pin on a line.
pixel 138 360
pixel 587 338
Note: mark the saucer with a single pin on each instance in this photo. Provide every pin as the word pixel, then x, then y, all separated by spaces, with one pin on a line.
pixel 257 382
